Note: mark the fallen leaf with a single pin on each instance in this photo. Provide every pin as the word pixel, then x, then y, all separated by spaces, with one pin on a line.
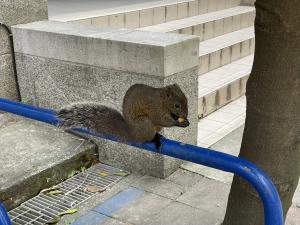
pixel 103 174
pixel 53 188
pixel 54 220
pixel 71 174
pixel 56 192
pixel 69 211
pixel 94 189
pixel 121 174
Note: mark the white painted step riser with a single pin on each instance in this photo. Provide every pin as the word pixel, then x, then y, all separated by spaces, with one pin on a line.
pixel 248 2
pixel 219 27
pixel 218 98
pixel 220 123
pixel 142 16
pixel 226 55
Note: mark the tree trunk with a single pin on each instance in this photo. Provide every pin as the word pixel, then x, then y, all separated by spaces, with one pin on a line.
pixel 271 137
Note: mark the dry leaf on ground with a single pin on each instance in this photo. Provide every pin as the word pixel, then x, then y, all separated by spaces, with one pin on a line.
pixel 121 174
pixel 94 189
pixel 103 174
pixel 56 192
pixel 69 211
pixel 53 188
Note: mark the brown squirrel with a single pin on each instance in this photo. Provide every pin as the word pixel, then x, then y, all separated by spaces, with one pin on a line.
pixel 146 111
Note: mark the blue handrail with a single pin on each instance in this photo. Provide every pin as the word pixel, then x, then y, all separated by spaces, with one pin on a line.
pixel 218 160
pixel 4 219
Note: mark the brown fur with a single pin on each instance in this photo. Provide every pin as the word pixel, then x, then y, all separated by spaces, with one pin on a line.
pixel 145 111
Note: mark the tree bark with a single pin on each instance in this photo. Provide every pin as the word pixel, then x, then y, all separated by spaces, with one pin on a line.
pixel 271 137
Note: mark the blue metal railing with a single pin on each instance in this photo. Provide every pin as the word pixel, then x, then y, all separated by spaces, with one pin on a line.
pixel 4 219
pixel 258 179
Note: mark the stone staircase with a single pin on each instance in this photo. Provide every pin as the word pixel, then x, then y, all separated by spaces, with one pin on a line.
pixel 226 34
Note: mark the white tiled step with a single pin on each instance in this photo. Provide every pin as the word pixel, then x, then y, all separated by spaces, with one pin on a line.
pixel 214 128
pixel 223 85
pixel 147 13
pixel 217 125
pixel 225 49
pixel 209 25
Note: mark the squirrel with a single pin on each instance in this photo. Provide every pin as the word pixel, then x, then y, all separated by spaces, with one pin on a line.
pixel 146 110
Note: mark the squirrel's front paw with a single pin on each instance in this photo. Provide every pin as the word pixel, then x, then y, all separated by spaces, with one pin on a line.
pixel 156 140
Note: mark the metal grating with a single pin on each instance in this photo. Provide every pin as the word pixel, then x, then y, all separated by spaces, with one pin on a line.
pixel 43 208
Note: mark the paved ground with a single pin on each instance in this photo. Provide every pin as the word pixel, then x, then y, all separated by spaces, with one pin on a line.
pixel 196 197
pixel 58 7
pixel 184 198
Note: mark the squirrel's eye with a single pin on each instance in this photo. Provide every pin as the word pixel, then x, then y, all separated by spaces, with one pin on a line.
pixel 177 105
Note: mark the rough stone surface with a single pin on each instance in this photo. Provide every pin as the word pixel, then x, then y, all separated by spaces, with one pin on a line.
pixel 23 11
pixel 133 159
pixel 35 156
pixel 143 52
pixel 4 42
pixel 7 81
pixel 100 65
pixel 12 13
pixel 52 83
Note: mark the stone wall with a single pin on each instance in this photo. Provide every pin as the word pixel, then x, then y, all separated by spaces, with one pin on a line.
pixel 59 63
pixel 14 12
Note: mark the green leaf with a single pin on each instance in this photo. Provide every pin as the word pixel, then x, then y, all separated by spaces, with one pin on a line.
pixel 83 168
pixel 121 174
pixel 69 211
pixel 71 174
pixel 54 220
pixel 103 174
pixel 55 192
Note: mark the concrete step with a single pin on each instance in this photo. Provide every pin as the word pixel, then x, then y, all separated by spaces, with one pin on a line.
pixel 222 50
pixel 147 13
pixel 35 156
pixel 218 124
pixel 223 85
pixel 209 25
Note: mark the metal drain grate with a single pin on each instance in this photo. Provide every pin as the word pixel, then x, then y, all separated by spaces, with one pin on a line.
pixel 43 208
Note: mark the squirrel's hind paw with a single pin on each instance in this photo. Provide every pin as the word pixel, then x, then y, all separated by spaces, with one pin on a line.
pixel 156 140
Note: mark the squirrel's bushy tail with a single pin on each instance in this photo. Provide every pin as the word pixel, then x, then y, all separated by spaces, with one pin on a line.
pixel 95 117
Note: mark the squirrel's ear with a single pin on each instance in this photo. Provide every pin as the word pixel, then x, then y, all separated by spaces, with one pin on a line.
pixel 169 91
